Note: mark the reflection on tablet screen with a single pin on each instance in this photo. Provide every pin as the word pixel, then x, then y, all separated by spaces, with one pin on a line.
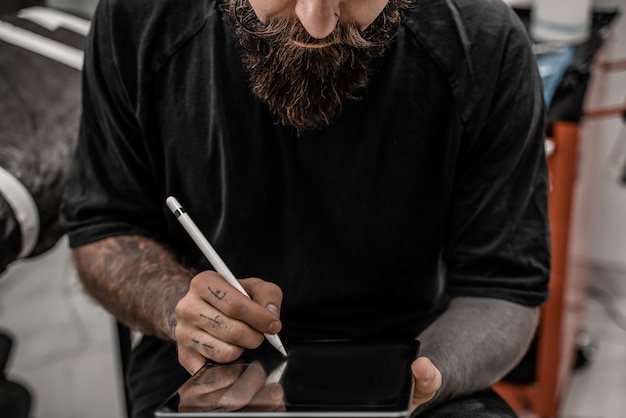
pixel 317 379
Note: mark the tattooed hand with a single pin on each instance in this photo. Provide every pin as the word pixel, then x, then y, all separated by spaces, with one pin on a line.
pixel 215 321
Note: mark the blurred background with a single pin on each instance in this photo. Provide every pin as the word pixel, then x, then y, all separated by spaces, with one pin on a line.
pixel 85 7
pixel 64 351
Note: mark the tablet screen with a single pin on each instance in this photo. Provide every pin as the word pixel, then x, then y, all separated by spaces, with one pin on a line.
pixel 316 379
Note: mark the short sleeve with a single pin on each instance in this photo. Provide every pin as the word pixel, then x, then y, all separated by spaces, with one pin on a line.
pixel 112 188
pixel 497 237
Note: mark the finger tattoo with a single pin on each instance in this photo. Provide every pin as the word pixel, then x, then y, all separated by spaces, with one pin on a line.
pixel 218 293
pixel 214 321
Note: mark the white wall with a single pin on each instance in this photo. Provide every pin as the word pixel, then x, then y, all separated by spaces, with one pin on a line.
pixel 599 218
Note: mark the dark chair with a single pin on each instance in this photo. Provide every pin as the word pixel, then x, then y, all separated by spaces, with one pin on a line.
pixel 15 398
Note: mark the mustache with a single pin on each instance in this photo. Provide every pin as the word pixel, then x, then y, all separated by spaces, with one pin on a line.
pixel 288 29
pixel 305 81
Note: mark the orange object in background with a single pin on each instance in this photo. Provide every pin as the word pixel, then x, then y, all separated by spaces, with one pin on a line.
pixel 562 315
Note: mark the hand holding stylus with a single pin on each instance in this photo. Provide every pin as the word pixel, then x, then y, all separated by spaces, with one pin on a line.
pixel 220 316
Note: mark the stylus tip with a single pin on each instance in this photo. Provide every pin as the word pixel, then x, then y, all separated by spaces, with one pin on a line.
pixel 281 350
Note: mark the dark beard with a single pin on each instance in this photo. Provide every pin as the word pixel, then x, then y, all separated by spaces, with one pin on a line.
pixel 307 87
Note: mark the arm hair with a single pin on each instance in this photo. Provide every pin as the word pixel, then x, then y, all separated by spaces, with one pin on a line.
pixel 136 279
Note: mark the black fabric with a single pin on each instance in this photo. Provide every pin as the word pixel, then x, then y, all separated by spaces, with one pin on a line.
pixel 15 397
pixel 40 106
pixel 10 235
pixel 153 375
pixel 124 341
pixel 392 184
pixel 434 185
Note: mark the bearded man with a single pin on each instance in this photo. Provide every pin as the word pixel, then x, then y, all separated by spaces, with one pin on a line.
pixel 370 169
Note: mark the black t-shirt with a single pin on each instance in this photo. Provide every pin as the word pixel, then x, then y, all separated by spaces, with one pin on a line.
pixel 433 185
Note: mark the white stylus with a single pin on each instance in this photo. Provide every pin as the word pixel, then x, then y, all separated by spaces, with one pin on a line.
pixel 214 258
pixel 277 374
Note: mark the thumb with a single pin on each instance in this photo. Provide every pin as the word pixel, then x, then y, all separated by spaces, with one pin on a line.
pixel 264 293
pixel 427 380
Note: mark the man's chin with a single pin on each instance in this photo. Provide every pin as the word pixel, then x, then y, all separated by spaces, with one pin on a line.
pixel 306 82
pixel 304 102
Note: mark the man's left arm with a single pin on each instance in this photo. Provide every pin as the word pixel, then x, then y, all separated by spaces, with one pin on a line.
pixel 496 245
pixel 458 357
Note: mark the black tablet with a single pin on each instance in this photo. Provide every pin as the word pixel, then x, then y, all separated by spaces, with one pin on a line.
pixel 317 379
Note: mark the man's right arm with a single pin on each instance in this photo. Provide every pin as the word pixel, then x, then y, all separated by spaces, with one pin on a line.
pixel 136 279
pixel 140 282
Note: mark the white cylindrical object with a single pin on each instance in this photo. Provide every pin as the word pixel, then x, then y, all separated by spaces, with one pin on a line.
pixel 566 21
pixel 24 209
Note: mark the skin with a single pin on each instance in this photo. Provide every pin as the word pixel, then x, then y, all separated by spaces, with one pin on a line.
pixel 139 281
pixel 471 346
pixel 141 284
pixel 319 17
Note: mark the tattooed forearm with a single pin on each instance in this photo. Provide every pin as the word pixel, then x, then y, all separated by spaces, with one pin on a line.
pixel 136 279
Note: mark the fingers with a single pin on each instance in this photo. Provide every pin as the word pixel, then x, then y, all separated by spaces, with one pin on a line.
pixel 202 332
pixel 264 293
pixel 427 379
pixel 252 311
pixel 216 321
pixel 191 360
